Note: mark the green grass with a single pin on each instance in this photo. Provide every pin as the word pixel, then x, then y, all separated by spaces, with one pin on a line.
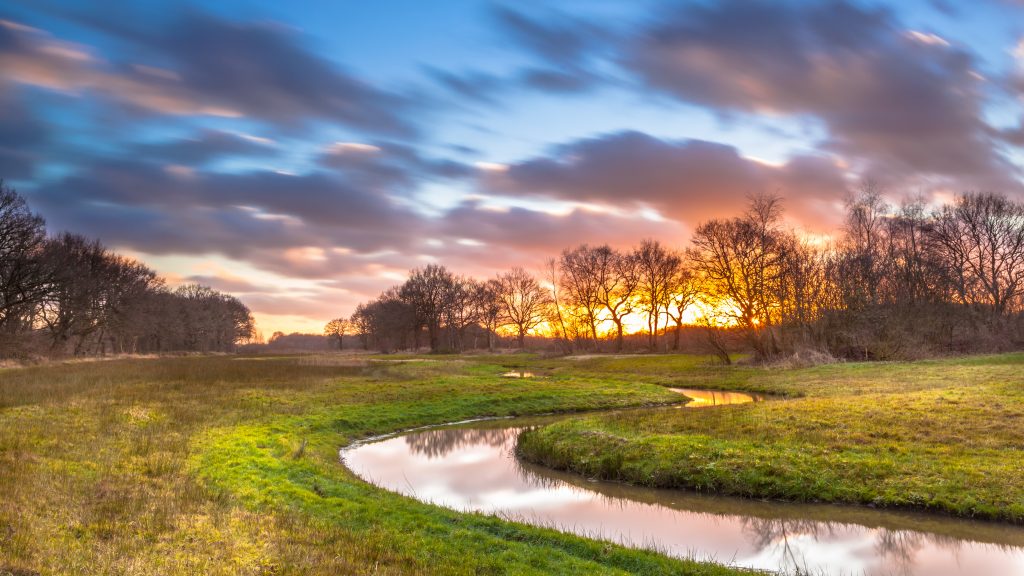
pixel 943 435
pixel 224 465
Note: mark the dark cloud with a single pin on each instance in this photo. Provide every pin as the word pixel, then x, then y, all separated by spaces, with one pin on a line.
pixel 557 38
pixel 152 209
pixel 897 101
pixel 1014 135
pixel 21 136
pixel 313 226
pixel 265 72
pixel 202 65
pixel 206 146
pixel 562 49
pixel 689 180
pixel 389 166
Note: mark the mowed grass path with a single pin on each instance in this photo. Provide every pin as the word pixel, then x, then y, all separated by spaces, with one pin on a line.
pixel 223 465
pixel 943 435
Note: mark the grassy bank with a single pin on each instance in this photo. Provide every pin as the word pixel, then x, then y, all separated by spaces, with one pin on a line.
pixel 944 435
pixel 223 465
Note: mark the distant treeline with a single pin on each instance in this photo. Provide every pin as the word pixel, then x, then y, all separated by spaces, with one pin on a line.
pixel 69 295
pixel 900 281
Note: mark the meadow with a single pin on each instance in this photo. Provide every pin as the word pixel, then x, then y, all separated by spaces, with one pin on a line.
pixel 229 465
pixel 941 435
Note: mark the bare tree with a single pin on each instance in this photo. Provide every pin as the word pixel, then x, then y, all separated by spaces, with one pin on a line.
pixel 580 277
pixel 92 292
pixel 554 278
pixel 487 305
pixel 24 278
pixel 682 293
pixel 523 301
pixel 461 311
pixel 212 321
pixel 388 323
pixel 336 330
pixel 741 260
pixel 617 278
pixel 74 309
pixel 362 322
pixel 429 290
pixel 982 237
pixel 863 266
pixel 656 266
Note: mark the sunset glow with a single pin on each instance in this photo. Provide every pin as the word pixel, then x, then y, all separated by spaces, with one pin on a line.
pixel 327 151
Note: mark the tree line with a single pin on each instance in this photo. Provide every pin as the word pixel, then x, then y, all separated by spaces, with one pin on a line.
pixel 896 281
pixel 69 295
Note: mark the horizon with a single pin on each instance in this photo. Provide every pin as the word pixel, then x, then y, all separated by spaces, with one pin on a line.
pixel 304 160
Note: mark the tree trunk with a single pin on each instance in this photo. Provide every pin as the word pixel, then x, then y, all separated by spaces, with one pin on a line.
pixel 714 339
pixel 652 323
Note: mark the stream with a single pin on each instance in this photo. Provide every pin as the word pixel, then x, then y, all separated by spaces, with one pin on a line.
pixel 472 467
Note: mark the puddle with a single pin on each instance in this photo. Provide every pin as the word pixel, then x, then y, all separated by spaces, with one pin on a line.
pixel 705 398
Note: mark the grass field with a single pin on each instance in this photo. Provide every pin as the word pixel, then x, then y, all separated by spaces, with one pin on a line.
pixel 943 435
pixel 224 465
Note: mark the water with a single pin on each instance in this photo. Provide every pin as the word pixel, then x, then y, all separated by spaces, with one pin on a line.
pixel 471 467
pixel 706 398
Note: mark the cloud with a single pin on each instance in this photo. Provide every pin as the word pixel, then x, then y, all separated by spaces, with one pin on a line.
pixel 264 71
pixel 476 86
pixel 148 208
pixel 562 47
pixel 557 39
pixel 890 102
pixel 1014 135
pixel 688 180
pixel 225 283
pixel 388 165
pixel 522 231
pixel 342 229
pixel 319 226
pixel 205 146
pixel 21 136
pixel 210 67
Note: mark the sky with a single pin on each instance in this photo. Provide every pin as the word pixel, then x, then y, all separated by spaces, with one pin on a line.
pixel 304 156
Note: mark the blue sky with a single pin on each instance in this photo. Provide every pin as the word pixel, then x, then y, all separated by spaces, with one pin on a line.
pixel 304 155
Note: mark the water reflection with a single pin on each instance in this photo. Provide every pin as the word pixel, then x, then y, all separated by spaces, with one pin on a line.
pixel 472 468
pixel 517 374
pixel 442 441
pixel 704 398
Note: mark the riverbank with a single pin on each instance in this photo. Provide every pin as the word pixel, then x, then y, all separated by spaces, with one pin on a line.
pixel 942 436
pixel 467 467
pixel 228 465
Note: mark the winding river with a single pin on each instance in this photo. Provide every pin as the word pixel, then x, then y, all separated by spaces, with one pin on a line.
pixel 471 467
